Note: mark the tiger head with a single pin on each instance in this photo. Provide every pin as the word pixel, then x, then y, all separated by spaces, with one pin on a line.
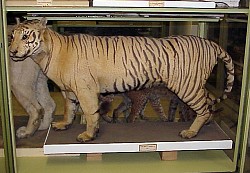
pixel 27 38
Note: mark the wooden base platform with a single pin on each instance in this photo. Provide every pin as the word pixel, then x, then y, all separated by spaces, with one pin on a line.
pixel 136 137
pixel 165 156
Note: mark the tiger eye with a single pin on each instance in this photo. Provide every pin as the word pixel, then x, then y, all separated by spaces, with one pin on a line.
pixel 24 37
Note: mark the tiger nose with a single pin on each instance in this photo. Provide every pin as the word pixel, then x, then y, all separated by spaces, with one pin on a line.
pixel 13 52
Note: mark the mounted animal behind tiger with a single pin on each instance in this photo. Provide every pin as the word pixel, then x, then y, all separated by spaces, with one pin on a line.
pixel 89 65
pixel 134 104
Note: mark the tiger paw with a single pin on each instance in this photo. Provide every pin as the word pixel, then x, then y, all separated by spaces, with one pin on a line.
pixel 188 134
pixel 84 137
pixel 61 125
pixel 23 132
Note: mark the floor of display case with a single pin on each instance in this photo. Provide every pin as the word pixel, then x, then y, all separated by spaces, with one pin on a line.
pixel 136 137
pixel 121 137
pixel 204 161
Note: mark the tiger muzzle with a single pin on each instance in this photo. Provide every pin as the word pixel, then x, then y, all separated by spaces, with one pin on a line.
pixel 15 57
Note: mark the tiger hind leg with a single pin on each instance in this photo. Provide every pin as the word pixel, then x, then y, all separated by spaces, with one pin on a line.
pixel 200 106
pixel 199 121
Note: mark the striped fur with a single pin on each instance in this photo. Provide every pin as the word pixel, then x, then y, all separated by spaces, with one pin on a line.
pixel 90 65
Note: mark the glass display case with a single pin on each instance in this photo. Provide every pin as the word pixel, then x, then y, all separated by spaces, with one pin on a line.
pixel 229 27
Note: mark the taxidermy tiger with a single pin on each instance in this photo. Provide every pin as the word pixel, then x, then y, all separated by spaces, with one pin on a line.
pixel 136 101
pixel 89 65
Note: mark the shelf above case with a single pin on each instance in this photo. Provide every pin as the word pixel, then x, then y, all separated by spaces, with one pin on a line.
pixel 122 9
pixel 41 3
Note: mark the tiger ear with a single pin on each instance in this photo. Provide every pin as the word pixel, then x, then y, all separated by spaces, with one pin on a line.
pixel 43 22
pixel 17 20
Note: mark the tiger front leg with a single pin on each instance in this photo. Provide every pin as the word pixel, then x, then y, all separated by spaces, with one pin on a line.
pixel 70 107
pixel 199 121
pixel 89 103
pixel 91 129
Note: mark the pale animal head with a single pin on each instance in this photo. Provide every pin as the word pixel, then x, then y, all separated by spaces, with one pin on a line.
pixel 27 38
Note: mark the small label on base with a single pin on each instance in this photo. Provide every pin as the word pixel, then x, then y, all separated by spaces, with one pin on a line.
pixel 147 147
pixel 156 4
